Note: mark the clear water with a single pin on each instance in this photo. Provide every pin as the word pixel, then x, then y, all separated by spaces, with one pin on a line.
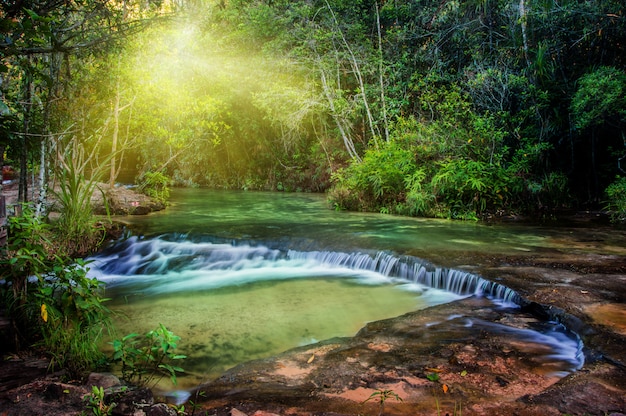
pixel 305 220
pixel 246 275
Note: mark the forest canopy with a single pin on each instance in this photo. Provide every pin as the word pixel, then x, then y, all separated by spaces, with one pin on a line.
pixel 436 108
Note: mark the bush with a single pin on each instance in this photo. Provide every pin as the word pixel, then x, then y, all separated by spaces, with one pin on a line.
pixel 146 359
pixel 49 298
pixel 73 318
pixel 616 200
pixel 155 185
pixel 376 183
pixel 469 188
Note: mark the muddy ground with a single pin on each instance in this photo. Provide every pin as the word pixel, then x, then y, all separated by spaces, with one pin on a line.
pixel 399 367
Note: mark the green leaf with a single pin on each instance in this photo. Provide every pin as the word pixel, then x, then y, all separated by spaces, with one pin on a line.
pixel 432 376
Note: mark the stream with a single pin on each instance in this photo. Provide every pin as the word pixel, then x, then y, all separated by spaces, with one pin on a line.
pixel 247 275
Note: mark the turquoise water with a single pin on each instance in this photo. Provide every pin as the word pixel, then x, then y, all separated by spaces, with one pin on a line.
pixel 247 275
pixel 306 220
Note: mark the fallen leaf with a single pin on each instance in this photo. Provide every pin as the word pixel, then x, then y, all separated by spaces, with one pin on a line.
pixel 311 359
pixel 44 312
pixel 445 388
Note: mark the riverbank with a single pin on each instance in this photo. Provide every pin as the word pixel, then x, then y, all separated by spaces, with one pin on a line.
pixel 581 283
pixel 484 373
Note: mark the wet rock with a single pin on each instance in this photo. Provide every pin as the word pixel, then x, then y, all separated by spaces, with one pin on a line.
pixel 596 390
pixel 124 201
pixel 237 412
pixel 127 403
pixel 160 409
pixel 104 380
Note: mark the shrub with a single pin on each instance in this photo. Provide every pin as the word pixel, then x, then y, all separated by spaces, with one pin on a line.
pixel 155 185
pixel 77 181
pixel 73 318
pixel 469 188
pixel 51 301
pixel 616 200
pixel 146 359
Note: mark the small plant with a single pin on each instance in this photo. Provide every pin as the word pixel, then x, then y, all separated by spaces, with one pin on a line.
pixel 145 360
pixel 77 175
pixel 179 409
pixel 381 396
pixel 155 185
pixel 95 402
pixel 194 404
pixel 616 203
pixel 74 317
pixel 25 253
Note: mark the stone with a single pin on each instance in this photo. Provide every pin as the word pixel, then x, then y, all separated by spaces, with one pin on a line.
pixel 129 402
pixel 104 380
pixel 237 412
pixel 160 409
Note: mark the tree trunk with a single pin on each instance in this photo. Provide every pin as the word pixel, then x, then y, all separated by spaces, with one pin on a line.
pixel 383 102
pixel 116 129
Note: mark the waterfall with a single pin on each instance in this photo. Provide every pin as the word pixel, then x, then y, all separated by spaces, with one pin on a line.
pixel 415 270
pixel 167 257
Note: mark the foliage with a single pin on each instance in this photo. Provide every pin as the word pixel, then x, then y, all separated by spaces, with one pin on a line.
pixel 468 188
pixel 95 402
pixel 24 257
pixel 600 98
pixel 377 181
pixel 146 359
pixel 284 95
pixel 25 254
pixel 616 200
pixel 381 396
pixel 74 317
pixel 433 169
pixel 77 181
pixel 51 299
pixel 155 185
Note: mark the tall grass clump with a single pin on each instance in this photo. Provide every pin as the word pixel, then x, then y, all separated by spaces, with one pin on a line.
pixel 77 181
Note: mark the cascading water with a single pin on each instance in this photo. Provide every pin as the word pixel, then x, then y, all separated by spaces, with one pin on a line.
pixel 244 282
pixel 204 265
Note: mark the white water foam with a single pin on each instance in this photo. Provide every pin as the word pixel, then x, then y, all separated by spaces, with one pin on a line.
pixel 172 266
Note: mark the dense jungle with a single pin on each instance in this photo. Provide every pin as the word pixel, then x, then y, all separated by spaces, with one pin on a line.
pixel 446 109
pixel 473 111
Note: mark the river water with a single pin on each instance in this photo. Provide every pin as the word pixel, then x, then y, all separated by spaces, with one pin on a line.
pixel 246 275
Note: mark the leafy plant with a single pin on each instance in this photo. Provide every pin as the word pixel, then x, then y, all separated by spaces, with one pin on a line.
pixel 95 402
pixel 51 300
pixel 432 377
pixel 381 396
pixel 194 404
pixel 73 317
pixel 616 200
pixel 23 258
pixel 146 359
pixel 77 181
pixel 468 188
pixel 155 185
pixel 25 253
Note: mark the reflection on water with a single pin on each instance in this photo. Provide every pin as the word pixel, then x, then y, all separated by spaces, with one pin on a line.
pixel 306 221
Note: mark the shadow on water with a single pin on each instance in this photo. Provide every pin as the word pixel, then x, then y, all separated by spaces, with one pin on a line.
pixel 241 276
